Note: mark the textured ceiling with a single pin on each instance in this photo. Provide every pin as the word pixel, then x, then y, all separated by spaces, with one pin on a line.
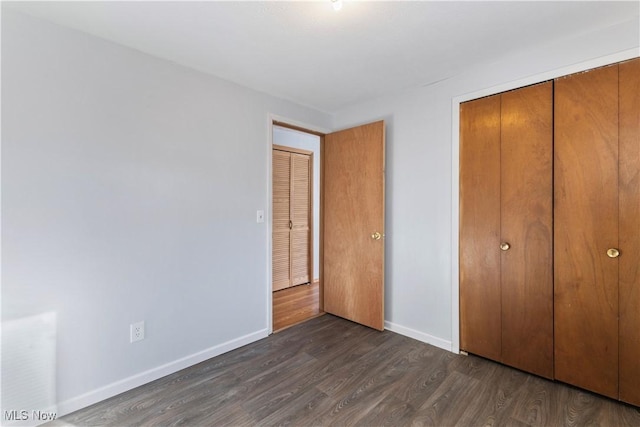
pixel 306 52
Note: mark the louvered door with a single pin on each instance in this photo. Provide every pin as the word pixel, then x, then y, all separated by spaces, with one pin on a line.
pixel 291 219
pixel 281 209
pixel 300 213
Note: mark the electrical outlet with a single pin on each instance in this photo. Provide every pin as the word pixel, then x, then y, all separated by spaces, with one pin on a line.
pixel 136 331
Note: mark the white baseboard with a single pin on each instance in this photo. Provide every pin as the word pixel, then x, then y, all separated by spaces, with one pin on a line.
pixel 145 377
pixel 115 388
pixel 417 335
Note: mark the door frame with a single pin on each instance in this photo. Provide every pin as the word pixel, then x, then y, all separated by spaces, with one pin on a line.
pixel 455 162
pixel 272 120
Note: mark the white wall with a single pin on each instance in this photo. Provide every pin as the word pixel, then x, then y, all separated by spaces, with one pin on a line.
pixel 305 141
pixel 129 192
pixel 421 206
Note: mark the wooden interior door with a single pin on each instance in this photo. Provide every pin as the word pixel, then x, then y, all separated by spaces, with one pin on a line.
pixel 526 218
pixel 506 195
pixel 300 218
pixel 629 193
pixel 480 293
pixel 353 212
pixel 291 253
pixel 281 252
pixel 586 226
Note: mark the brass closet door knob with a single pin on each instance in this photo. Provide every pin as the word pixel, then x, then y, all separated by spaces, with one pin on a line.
pixel 505 246
pixel 613 253
pixel 376 236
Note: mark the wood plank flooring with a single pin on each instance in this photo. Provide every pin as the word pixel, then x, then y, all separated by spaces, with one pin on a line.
pixel 295 305
pixel 329 371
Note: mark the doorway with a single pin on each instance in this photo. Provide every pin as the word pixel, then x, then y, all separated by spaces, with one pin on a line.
pixel 350 225
pixel 296 295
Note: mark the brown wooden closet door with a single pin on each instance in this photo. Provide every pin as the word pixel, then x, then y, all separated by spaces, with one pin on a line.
pixel 480 295
pixel 526 225
pixel 281 261
pixel 629 145
pixel 300 213
pixel 586 225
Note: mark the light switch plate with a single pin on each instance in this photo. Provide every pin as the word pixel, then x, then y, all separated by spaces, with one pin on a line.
pixel 260 217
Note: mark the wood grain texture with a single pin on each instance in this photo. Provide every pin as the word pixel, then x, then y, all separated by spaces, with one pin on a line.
pixel 300 219
pixel 292 211
pixel 629 144
pixel 295 305
pixel 526 193
pixel 281 239
pixel 480 293
pixel 329 371
pixel 586 225
pixel 353 188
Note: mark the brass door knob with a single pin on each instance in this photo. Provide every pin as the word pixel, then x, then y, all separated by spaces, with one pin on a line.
pixel 376 236
pixel 613 253
pixel 505 246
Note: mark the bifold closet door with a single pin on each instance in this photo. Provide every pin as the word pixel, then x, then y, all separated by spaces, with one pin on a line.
pixel 291 219
pixel 300 218
pixel 629 260
pixel 281 253
pixel 586 227
pixel 526 201
pixel 506 288
pixel 480 290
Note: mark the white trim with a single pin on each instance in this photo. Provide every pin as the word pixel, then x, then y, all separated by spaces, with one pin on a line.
pixel 271 118
pixel 455 161
pixel 145 377
pixel 303 125
pixel 455 226
pixel 417 335
pixel 268 286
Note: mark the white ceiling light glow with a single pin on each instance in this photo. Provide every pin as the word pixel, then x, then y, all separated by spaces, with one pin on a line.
pixel 337 4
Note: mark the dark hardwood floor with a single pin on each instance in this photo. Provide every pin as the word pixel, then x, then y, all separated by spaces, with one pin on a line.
pixel 329 371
